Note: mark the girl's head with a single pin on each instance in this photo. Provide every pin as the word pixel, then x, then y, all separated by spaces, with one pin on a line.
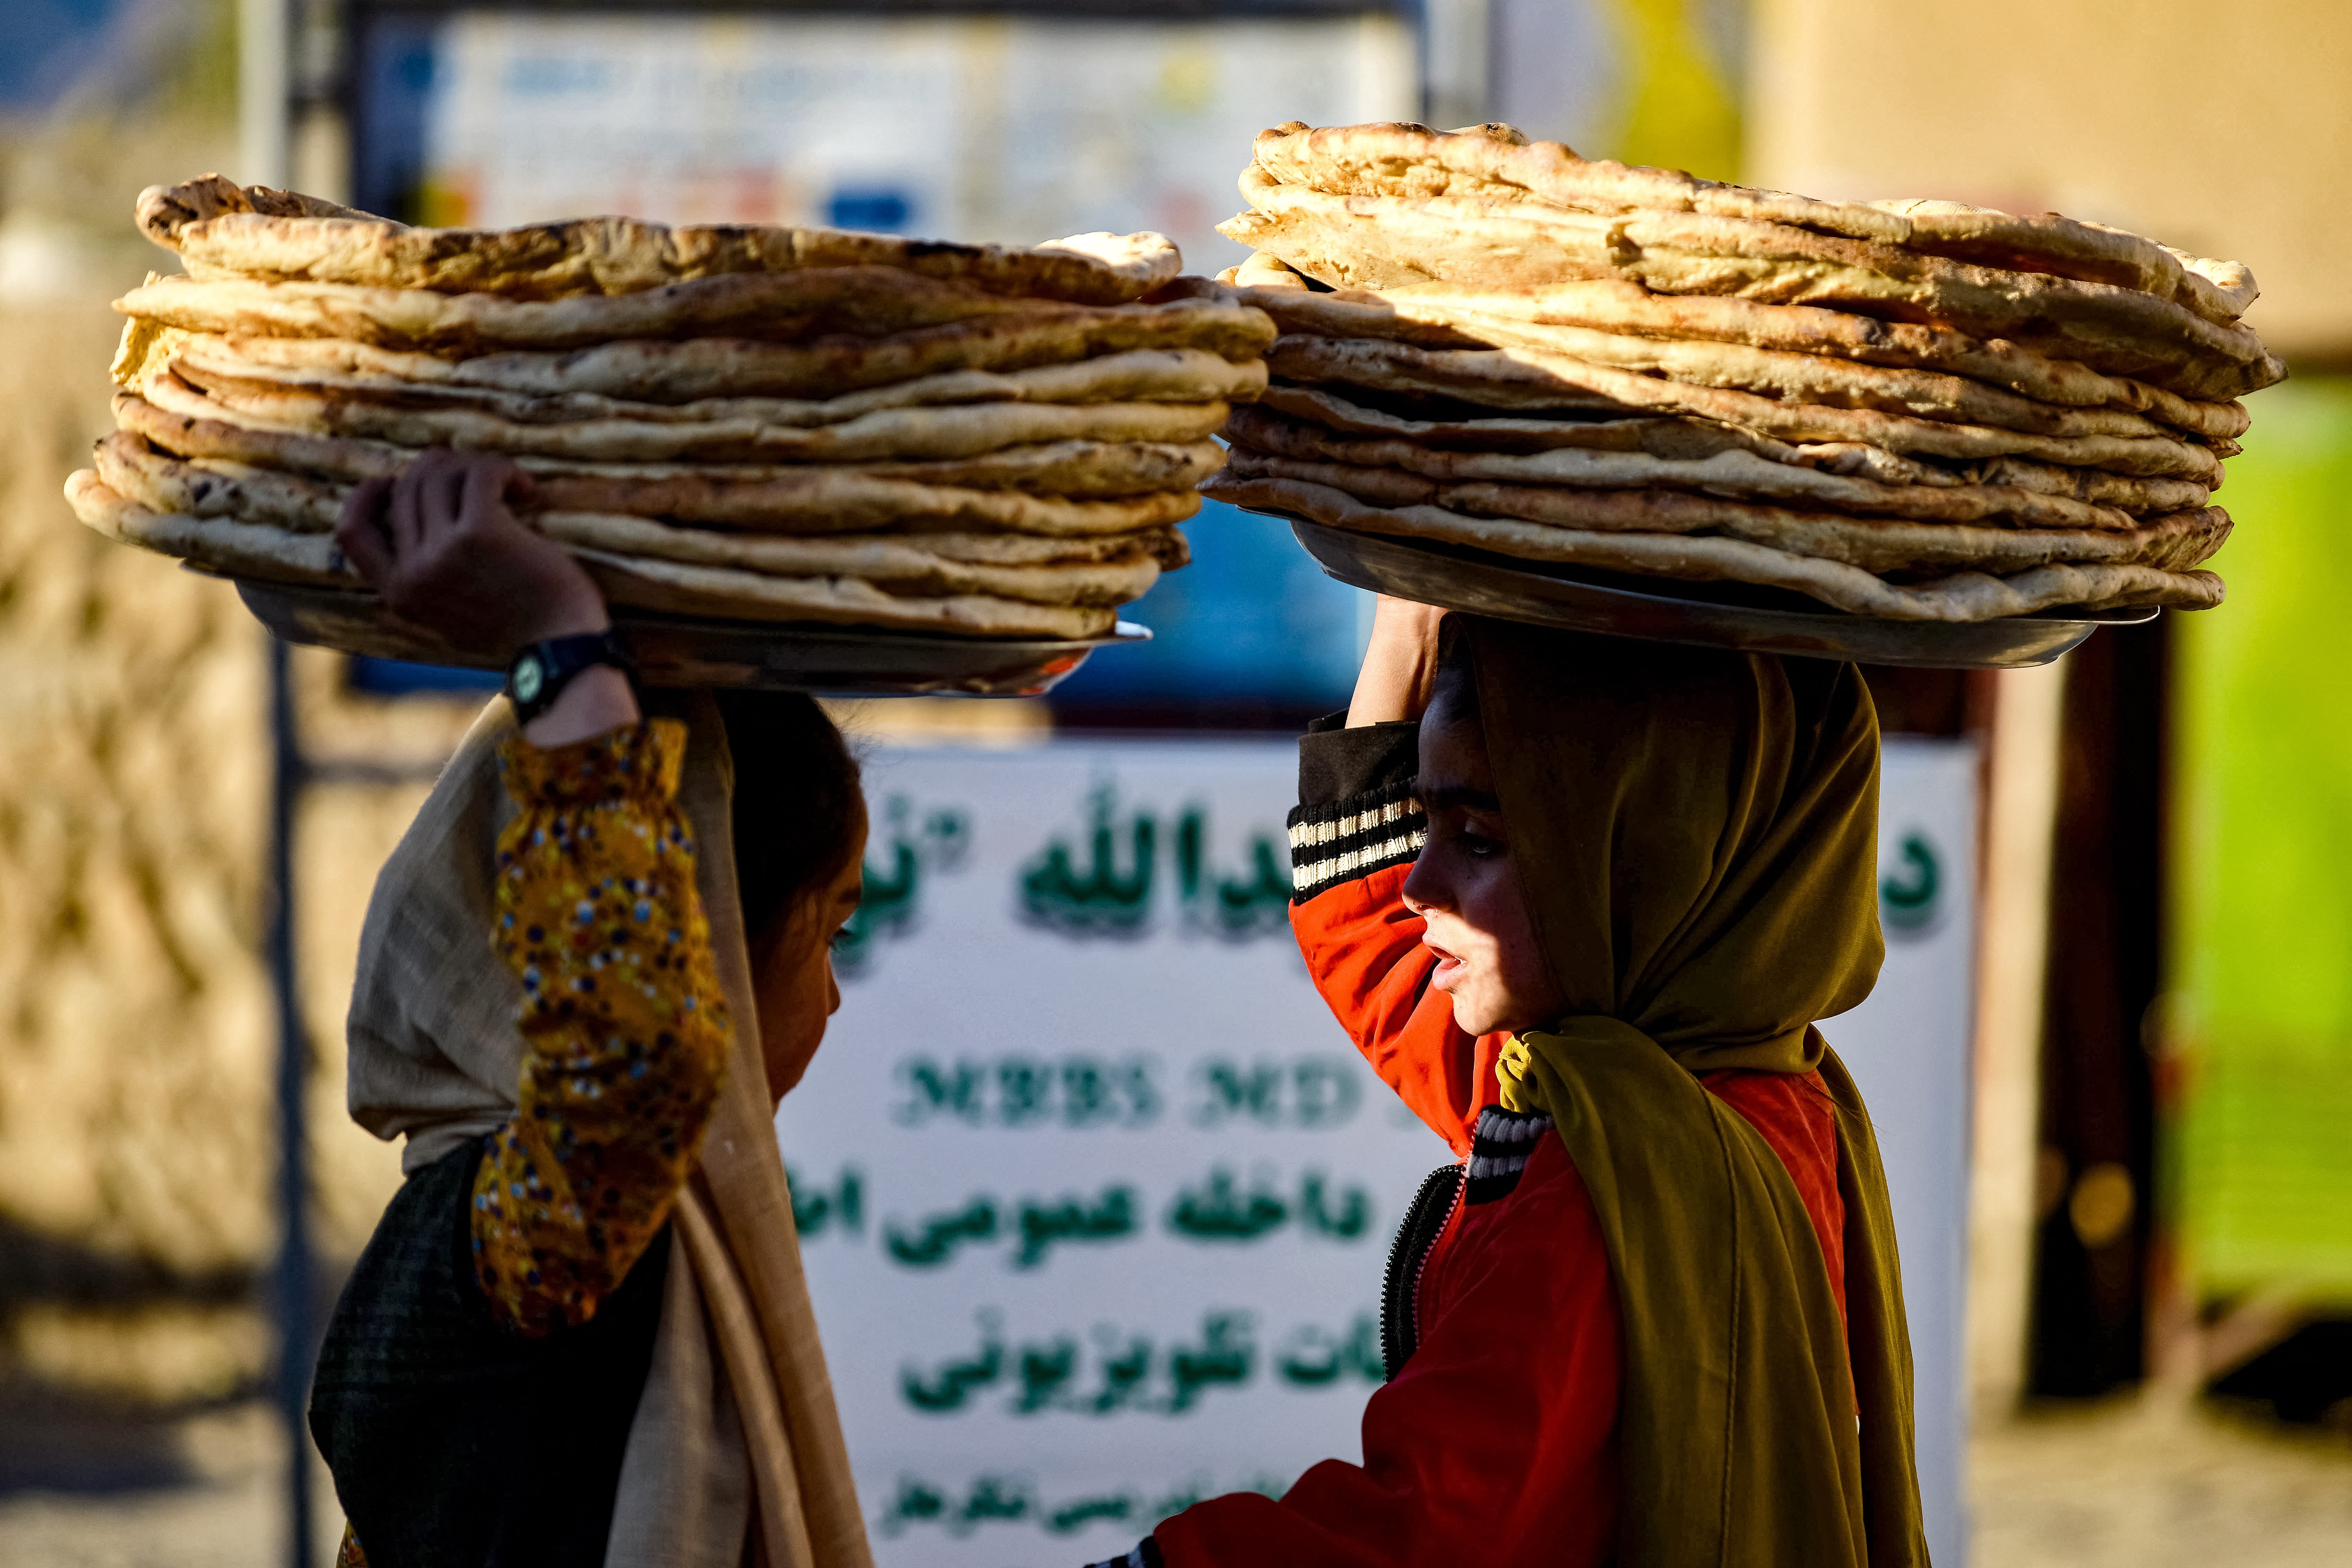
pixel 1679 838
pixel 1465 885
pixel 800 856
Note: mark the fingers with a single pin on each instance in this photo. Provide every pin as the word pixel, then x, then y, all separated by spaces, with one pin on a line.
pixel 485 482
pixel 405 521
pixel 441 492
pixel 360 531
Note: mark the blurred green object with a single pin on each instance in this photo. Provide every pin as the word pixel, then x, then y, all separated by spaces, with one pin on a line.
pixel 2262 961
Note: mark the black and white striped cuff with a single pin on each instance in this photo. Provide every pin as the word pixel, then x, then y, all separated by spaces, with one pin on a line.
pixel 1499 1150
pixel 1145 1555
pixel 1354 836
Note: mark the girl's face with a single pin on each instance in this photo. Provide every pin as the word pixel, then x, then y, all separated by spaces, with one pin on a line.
pixel 1466 889
pixel 791 969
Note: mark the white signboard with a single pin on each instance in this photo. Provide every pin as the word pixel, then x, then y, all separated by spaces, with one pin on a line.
pixel 983 128
pixel 1908 1049
pixel 1095 1196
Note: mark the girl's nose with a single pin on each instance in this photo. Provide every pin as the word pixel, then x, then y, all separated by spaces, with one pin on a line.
pixel 1421 893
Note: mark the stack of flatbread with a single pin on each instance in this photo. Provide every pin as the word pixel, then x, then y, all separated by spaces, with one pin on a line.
pixel 766 424
pixel 1910 410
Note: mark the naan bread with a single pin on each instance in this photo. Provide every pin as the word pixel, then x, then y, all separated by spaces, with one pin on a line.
pixel 886 435
pixel 1533 379
pixel 1625 325
pixel 1681 438
pixel 686 590
pixel 856 302
pixel 259 551
pixel 163 211
pixel 1152 484
pixel 1498 163
pixel 164 484
pixel 1734 473
pixel 1382 242
pixel 245 549
pixel 682 371
pixel 821 499
pixel 1962 596
pixel 277 236
pixel 1883 545
pixel 898 566
pixel 1145 376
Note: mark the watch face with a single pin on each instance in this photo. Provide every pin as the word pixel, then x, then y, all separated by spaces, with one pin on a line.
pixel 529 676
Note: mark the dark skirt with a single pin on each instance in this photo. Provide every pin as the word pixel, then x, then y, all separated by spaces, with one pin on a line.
pixel 454 1439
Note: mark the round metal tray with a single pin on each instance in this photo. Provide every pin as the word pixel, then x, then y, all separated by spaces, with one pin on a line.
pixel 682 651
pixel 1706 614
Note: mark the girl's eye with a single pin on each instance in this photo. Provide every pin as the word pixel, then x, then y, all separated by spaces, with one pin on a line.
pixel 1476 843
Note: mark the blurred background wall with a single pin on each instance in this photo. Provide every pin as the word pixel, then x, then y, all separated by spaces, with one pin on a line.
pixel 2189 1182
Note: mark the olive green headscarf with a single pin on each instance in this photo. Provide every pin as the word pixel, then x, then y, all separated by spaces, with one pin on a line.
pixel 1696 836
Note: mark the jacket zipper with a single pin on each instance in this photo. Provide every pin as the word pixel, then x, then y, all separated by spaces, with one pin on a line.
pixel 1424 1221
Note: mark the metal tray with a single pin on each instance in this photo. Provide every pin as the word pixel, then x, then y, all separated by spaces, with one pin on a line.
pixel 682 651
pixel 1706 614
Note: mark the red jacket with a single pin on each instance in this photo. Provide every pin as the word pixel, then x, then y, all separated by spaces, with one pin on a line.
pixel 1493 1442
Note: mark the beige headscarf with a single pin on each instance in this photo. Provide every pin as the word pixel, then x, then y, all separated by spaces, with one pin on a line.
pixel 736 1453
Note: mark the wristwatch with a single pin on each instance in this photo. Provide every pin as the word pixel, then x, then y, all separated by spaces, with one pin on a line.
pixel 540 672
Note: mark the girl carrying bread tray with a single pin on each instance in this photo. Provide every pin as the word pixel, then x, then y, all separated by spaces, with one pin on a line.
pixel 1581 901
pixel 596 961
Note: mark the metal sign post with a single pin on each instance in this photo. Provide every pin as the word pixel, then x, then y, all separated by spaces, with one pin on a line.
pixel 290 1287
pixel 264 100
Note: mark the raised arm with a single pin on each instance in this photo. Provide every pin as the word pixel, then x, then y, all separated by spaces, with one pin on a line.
pixel 622 1020
pixel 1400 667
pixel 1352 842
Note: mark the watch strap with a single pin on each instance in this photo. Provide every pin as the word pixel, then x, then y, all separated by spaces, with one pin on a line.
pixel 540 672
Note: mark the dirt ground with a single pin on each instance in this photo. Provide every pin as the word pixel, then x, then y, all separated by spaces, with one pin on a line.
pixel 2107 1486
pixel 2118 1486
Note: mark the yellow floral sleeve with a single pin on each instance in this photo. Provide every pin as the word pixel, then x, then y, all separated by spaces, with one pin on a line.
pixel 624 1028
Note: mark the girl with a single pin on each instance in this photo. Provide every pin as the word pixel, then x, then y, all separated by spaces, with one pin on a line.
pixel 598 959
pixel 1581 901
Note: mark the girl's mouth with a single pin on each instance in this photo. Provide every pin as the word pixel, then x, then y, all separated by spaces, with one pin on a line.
pixel 1449 968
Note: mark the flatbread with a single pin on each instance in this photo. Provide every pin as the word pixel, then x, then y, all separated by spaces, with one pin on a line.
pixel 257 550
pixel 974 493
pixel 664 372
pixel 273 235
pixel 1611 322
pixel 1963 596
pixel 1380 242
pixel 136 472
pixel 683 589
pixel 163 211
pixel 1144 376
pixel 865 303
pixel 1879 545
pixel 1734 473
pixel 1531 379
pixel 246 549
pixel 890 434
pixel 1814 379
pixel 1263 271
pixel 812 500
pixel 1498 163
pixel 1688 439
pixel 899 565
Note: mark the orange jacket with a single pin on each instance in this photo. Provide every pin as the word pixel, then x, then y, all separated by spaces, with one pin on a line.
pixel 1493 1439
